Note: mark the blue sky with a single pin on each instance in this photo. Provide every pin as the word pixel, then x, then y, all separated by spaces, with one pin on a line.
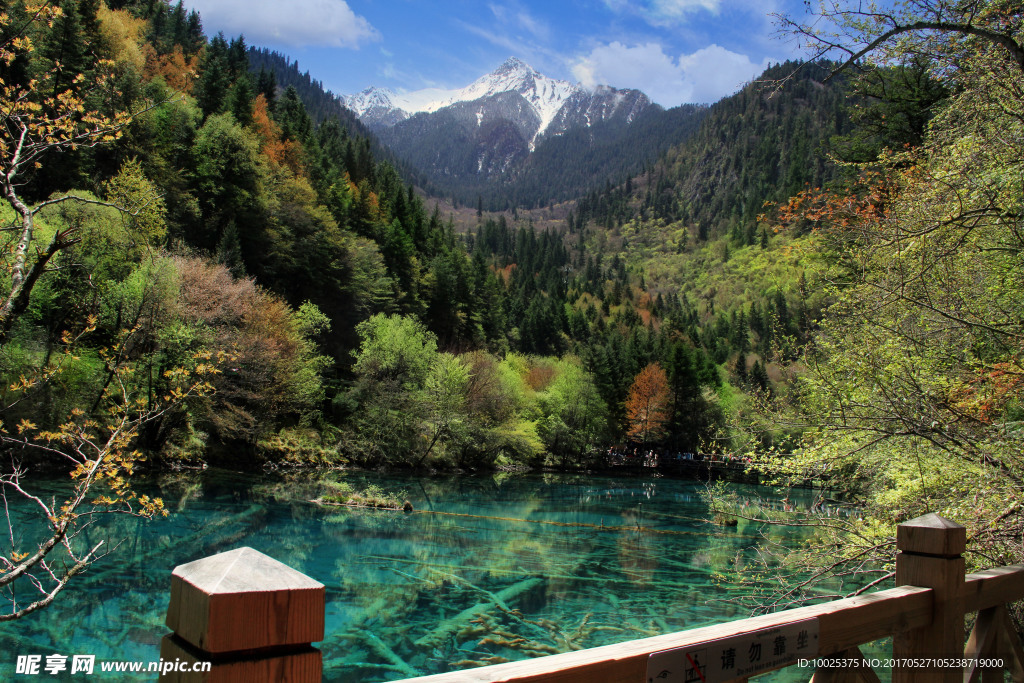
pixel 676 51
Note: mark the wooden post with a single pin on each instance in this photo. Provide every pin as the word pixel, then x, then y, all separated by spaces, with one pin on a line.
pixel 251 616
pixel 931 556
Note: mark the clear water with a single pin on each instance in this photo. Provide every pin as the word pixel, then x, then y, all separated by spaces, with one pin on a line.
pixel 578 561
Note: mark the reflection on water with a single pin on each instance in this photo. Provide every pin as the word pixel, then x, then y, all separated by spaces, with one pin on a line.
pixel 487 569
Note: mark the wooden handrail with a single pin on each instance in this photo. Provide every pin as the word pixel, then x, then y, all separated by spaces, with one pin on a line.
pixel 992 587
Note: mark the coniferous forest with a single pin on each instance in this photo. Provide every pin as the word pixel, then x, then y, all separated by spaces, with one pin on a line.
pixel 209 261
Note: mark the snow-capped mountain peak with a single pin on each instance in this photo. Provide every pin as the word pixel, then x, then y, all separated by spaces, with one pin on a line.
pixel 376 105
pixel 372 97
pixel 502 116
pixel 545 95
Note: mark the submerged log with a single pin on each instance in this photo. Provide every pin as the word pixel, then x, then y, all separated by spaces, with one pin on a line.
pixel 357 503
pixel 386 653
pixel 454 624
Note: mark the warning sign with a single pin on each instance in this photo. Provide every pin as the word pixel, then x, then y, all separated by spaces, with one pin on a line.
pixel 717 661
pixel 696 668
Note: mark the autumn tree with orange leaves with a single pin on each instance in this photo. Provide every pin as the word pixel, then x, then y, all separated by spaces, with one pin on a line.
pixel 649 405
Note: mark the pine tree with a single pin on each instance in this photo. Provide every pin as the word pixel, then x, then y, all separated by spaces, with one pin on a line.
pixel 740 368
pixel 266 85
pixel 240 101
pixel 759 376
pixel 215 78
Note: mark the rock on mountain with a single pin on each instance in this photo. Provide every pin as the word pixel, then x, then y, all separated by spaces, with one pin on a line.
pixel 583 109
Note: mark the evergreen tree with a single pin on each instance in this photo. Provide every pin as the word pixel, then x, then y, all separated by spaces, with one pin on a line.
pixel 211 89
pixel 740 369
pixel 266 85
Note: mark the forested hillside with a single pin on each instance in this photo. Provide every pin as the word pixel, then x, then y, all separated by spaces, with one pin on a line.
pixel 688 230
pixel 261 288
pixel 912 390
pixel 766 143
pixel 271 71
pixel 858 241
pixel 567 166
pixel 209 218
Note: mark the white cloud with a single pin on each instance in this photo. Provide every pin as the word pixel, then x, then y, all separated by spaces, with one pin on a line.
pixel 706 75
pixel 663 12
pixel 526 48
pixel 515 46
pixel 678 8
pixel 538 28
pixel 514 14
pixel 301 23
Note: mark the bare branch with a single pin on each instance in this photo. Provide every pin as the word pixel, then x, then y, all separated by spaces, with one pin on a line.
pixel 67 576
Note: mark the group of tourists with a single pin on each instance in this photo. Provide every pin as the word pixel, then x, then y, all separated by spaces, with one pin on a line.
pixel 654 457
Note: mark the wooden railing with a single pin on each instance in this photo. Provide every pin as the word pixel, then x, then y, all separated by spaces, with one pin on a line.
pixel 924 615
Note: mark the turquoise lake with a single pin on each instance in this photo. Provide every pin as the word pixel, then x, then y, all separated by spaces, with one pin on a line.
pixel 580 560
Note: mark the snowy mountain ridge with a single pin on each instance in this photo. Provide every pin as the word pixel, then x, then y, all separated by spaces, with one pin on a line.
pixel 489 131
pixel 382 107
